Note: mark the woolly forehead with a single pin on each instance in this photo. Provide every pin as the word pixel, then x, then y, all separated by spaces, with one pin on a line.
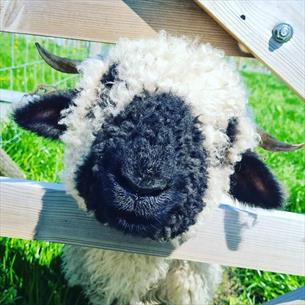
pixel 196 73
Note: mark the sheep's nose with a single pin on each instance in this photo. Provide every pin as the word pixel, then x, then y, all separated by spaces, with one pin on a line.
pixel 142 187
pixel 146 168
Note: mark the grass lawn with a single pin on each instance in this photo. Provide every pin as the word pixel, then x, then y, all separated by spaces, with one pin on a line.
pixel 30 271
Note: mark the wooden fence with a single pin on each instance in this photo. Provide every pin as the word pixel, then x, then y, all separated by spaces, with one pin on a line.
pixel 244 237
pixel 109 20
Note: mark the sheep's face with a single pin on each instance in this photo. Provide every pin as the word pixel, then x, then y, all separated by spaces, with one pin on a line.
pixel 152 135
pixel 146 172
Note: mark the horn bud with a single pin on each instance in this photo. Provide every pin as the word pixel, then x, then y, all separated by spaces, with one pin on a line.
pixel 61 64
pixel 272 144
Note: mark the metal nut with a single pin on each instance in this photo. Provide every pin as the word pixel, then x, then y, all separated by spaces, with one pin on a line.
pixel 282 32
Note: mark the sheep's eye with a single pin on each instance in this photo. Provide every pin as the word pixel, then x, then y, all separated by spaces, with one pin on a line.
pixel 109 77
pixel 232 129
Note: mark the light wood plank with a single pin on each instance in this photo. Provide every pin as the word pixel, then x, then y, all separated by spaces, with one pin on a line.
pixel 107 21
pixel 10 96
pixel 7 98
pixel 8 167
pixel 252 238
pixel 89 20
pixel 255 32
pixel 296 297
pixel 184 18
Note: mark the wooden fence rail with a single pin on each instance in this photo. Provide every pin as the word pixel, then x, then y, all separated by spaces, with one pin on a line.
pixel 107 21
pixel 243 237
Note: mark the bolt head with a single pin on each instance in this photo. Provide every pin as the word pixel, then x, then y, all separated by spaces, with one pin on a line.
pixel 282 32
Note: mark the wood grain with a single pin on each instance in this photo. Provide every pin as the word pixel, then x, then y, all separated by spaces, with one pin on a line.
pixel 254 30
pixel 107 21
pixel 296 297
pixel 252 238
pixel 88 20
pixel 184 18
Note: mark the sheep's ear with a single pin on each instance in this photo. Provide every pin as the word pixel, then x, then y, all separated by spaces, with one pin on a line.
pixel 42 114
pixel 254 184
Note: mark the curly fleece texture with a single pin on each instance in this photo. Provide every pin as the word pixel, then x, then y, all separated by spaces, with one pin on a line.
pixel 146 171
pixel 212 90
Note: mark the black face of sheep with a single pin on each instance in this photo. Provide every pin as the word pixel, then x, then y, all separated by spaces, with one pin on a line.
pixel 146 170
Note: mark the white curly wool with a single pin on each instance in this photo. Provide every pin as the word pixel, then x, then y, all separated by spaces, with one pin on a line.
pixel 201 76
pixel 126 278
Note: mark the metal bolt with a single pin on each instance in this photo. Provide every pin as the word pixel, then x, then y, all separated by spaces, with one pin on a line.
pixel 282 32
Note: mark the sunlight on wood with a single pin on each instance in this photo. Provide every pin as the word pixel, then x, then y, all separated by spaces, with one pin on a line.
pixel 243 237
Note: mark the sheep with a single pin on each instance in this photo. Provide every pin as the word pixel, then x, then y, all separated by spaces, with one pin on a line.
pixel 156 135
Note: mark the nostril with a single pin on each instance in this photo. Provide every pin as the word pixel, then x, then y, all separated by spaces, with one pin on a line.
pixel 141 187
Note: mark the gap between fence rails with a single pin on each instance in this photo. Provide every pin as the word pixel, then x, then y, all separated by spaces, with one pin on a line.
pixel 241 237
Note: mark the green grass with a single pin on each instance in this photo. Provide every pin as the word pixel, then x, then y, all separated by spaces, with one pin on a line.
pixel 30 271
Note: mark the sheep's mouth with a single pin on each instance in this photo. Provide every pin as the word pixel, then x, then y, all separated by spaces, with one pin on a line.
pixel 133 203
pixel 137 212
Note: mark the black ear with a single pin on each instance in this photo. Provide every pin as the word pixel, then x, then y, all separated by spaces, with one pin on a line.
pixel 42 114
pixel 254 184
